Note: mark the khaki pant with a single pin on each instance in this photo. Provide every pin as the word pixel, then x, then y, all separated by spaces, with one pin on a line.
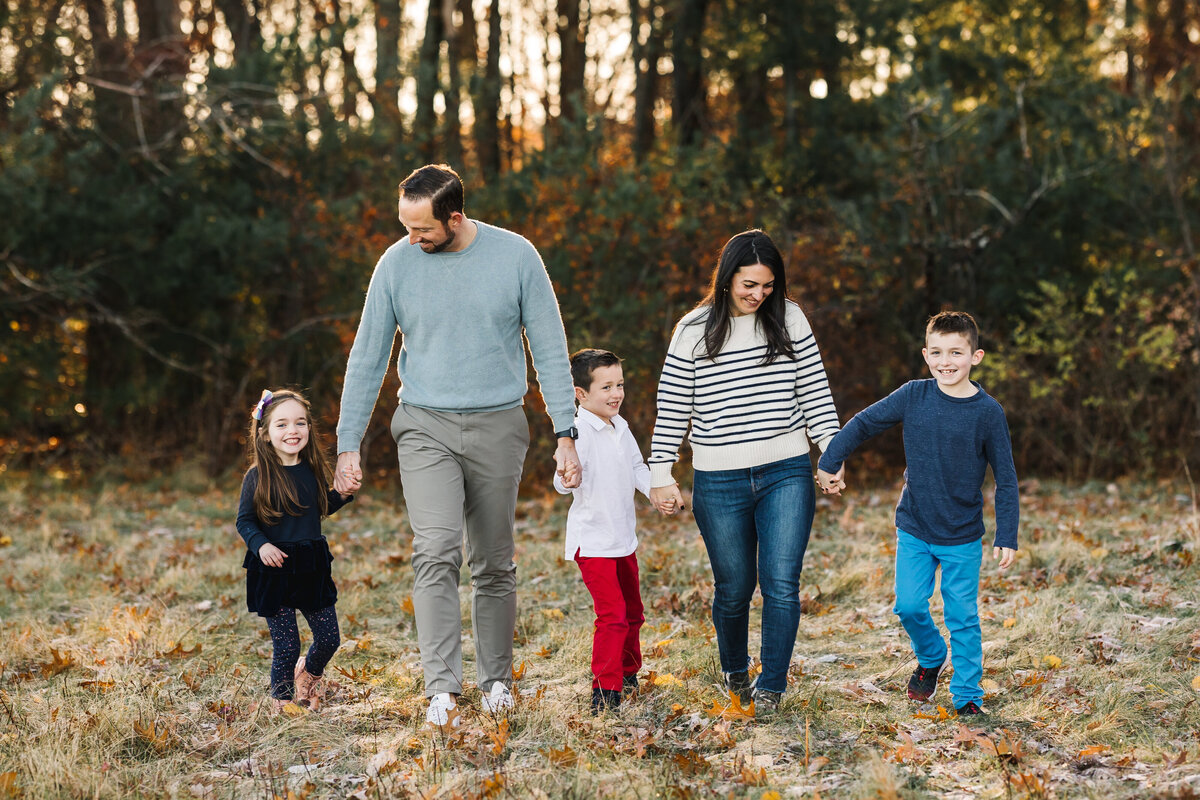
pixel 460 468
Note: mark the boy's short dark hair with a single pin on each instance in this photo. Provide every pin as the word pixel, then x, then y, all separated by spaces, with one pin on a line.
pixel 954 322
pixel 586 361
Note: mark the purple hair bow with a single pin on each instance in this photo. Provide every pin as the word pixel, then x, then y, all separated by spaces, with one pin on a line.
pixel 263 402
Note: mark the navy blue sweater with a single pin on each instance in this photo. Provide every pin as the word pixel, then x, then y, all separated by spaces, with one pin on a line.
pixel 303 528
pixel 948 444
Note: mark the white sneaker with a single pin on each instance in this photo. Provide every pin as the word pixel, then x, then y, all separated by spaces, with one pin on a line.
pixel 499 699
pixel 442 710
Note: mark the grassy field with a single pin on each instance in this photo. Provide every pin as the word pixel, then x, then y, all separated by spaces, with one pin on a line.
pixel 130 668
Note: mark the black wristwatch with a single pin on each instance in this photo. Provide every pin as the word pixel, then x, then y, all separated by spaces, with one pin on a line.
pixel 570 433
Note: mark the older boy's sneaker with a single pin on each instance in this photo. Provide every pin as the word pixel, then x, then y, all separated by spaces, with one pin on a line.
pixel 604 700
pixel 443 711
pixel 740 686
pixel 766 702
pixel 969 708
pixel 923 682
pixel 498 700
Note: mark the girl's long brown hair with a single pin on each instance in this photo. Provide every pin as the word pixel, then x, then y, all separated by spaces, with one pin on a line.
pixel 275 494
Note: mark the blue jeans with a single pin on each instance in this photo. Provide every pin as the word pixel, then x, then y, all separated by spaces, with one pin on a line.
pixel 755 523
pixel 916 565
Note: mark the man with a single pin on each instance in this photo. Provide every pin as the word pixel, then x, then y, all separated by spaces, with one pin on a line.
pixel 461 293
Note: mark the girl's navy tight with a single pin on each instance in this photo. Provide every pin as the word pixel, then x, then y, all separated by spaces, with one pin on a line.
pixel 285 638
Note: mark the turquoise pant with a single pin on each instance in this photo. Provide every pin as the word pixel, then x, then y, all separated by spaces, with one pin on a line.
pixel 916 567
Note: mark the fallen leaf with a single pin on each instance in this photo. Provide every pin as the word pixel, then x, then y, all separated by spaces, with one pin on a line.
pixel 293 710
pixel 690 762
pixel 552 613
pixel 813 766
pixel 179 652
pixel 1196 683
pixel 1094 750
pixel 406 605
pixel 1008 623
pixel 566 757
pixel 990 687
pixel 1052 661
pixel 666 679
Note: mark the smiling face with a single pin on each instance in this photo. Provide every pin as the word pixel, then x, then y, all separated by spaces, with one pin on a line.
pixel 426 230
pixel 749 289
pixel 950 359
pixel 287 430
pixel 606 393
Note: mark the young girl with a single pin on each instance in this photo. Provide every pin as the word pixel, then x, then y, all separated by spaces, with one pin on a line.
pixel 284 496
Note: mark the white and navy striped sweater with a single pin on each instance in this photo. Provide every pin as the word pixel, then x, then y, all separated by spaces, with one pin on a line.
pixel 743 413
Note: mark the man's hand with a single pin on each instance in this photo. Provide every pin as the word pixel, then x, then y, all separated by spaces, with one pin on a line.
pixel 667 499
pixel 271 555
pixel 567 461
pixel 347 478
pixel 1006 555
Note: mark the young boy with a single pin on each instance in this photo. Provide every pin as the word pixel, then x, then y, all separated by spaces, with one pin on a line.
pixel 952 431
pixel 601 522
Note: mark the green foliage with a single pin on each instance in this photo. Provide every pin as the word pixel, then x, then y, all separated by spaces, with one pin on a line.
pixel 1090 380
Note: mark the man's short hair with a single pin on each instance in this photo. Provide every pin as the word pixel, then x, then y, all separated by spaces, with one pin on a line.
pixel 585 362
pixel 439 184
pixel 954 322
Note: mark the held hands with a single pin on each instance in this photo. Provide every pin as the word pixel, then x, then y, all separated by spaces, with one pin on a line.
pixel 667 499
pixel 347 476
pixel 1006 555
pixel 831 483
pixel 271 555
pixel 567 461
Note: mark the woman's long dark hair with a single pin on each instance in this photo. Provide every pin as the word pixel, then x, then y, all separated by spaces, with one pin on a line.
pixel 744 250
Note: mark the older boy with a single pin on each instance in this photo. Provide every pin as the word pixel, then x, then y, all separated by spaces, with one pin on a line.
pixel 601 524
pixel 952 432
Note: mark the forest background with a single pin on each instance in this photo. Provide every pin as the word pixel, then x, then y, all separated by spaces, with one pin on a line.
pixel 193 194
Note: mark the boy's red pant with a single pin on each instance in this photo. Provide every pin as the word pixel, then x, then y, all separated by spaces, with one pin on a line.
pixel 616 648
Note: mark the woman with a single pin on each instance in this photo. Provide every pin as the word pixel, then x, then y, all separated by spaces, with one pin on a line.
pixel 744 370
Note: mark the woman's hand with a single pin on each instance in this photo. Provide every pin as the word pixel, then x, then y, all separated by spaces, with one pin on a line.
pixel 667 499
pixel 271 555
pixel 831 483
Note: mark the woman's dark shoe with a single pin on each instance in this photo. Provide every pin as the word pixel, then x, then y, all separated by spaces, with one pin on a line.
pixel 766 702
pixel 740 687
pixel 605 700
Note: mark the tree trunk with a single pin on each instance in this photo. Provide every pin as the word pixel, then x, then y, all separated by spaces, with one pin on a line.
pixel 647 50
pixel 688 106
pixel 572 60
pixel 452 138
pixel 388 14
pixel 428 82
pixel 244 28
pixel 487 108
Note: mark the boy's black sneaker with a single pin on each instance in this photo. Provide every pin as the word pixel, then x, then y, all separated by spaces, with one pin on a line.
pixel 605 700
pixel 923 682
pixel 740 686
pixel 969 708
pixel 629 684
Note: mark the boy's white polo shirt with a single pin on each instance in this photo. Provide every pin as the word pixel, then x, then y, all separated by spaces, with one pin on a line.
pixel 602 521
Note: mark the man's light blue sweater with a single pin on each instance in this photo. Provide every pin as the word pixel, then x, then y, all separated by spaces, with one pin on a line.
pixel 461 316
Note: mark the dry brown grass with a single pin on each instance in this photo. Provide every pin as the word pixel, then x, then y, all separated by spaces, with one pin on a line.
pixel 129 667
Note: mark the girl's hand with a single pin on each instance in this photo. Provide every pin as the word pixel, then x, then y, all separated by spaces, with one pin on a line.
pixel 271 555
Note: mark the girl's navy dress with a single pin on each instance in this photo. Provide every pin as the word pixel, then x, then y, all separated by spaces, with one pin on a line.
pixel 305 581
